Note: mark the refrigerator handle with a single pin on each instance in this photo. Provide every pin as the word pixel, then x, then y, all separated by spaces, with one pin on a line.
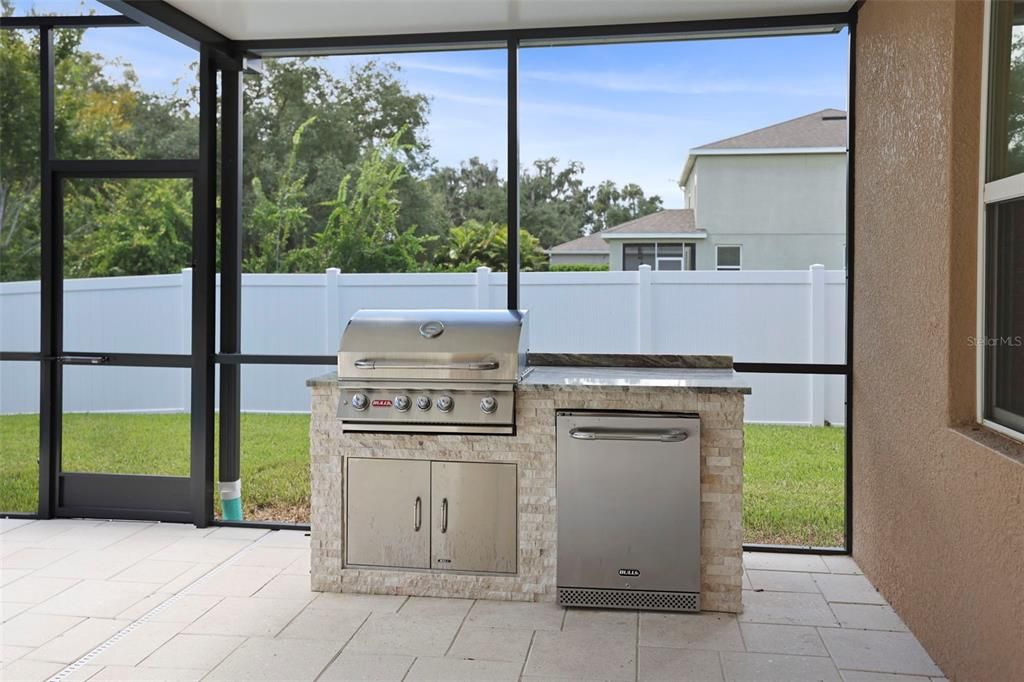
pixel 659 435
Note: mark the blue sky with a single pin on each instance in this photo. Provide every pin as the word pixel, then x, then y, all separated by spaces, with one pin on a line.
pixel 628 112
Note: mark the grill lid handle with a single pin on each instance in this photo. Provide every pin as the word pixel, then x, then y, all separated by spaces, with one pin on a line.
pixel 479 366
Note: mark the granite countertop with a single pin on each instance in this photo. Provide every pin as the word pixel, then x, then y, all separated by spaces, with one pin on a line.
pixel 635 377
pixel 329 379
pixel 654 375
pixel 634 360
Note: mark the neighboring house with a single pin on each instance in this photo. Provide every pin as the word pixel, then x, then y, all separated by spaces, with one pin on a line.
pixel 770 199
pixel 773 198
pixel 588 250
pixel 666 240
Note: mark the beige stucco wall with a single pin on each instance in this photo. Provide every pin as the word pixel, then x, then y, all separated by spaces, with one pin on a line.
pixel 787 211
pixel 938 511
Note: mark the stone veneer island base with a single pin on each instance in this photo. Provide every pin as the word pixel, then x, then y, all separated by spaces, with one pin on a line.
pixel 714 395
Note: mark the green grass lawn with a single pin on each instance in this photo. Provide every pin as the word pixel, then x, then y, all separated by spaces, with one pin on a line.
pixel 275 456
pixel 793 484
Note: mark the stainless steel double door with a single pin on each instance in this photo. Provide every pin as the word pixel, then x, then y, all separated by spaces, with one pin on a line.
pixel 458 516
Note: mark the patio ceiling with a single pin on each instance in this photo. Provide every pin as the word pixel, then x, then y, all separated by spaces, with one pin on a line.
pixel 249 20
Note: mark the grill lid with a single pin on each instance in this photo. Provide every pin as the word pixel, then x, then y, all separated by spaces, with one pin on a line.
pixel 453 345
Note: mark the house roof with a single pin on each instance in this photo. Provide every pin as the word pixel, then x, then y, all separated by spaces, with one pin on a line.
pixel 825 128
pixel 592 243
pixel 820 132
pixel 669 221
pixel 666 221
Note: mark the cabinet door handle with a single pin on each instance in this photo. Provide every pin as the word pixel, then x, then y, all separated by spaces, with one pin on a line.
pixel 444 515
pixel 417 514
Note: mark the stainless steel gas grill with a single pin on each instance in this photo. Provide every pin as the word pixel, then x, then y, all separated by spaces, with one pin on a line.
pixel 431 371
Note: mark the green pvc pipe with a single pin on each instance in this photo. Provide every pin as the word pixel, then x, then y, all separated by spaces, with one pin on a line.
pixel 231 509
pixel 231 500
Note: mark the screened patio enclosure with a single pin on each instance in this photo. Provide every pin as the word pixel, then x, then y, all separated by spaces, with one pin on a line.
pixel 231 44
pixel 916 373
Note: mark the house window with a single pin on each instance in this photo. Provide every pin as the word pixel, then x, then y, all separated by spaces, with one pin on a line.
pixel 1004 314
pixel 659 255
pixel 1001 318
pixel 670 256
pixel 728 257
pixel 635 255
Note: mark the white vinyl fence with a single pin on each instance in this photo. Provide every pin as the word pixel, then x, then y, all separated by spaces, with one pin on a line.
pixel 755 316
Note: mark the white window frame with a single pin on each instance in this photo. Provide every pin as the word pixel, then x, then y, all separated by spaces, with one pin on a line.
pixel 1004 189
pixel 658 257
pixel 681 259
pixel 728 268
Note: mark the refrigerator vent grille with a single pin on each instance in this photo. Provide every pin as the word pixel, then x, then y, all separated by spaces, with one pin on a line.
pixel 629 599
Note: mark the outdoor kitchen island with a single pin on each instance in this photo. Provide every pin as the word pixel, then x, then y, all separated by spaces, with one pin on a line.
pixel 701 385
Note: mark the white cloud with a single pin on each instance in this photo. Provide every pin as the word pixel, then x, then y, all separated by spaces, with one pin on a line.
pixel 484 72
pixel 677 83
pixel 592 113
pixel 659 82
pixel 475 100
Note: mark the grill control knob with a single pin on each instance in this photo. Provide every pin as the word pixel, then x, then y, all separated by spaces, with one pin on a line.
pixel 445 403
pixel 360 401
pixel 423 402
pixel 488 405
pixel 402 403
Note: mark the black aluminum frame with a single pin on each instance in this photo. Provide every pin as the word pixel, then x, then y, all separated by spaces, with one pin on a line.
pixel 124 496
pixel 219 54
pixel 230 464
pixel 512 173
pixel 80 21
pixel 129 496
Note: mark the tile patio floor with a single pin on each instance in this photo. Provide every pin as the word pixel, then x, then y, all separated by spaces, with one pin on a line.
pixel 234 604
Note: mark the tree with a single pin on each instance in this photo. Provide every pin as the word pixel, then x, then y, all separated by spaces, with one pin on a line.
pixel 554 203
pixel 612 206
pixel 362 232
pixel 279 220
pixel 473 191
pixel 98 116
pixel 353 116
pixel 1015 108
pixel 161 127
pixel 127 227
pixel 474 244
pixel 19 155
pixel 309 134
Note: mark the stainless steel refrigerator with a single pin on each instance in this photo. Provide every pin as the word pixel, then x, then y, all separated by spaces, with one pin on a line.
pixel 628 495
